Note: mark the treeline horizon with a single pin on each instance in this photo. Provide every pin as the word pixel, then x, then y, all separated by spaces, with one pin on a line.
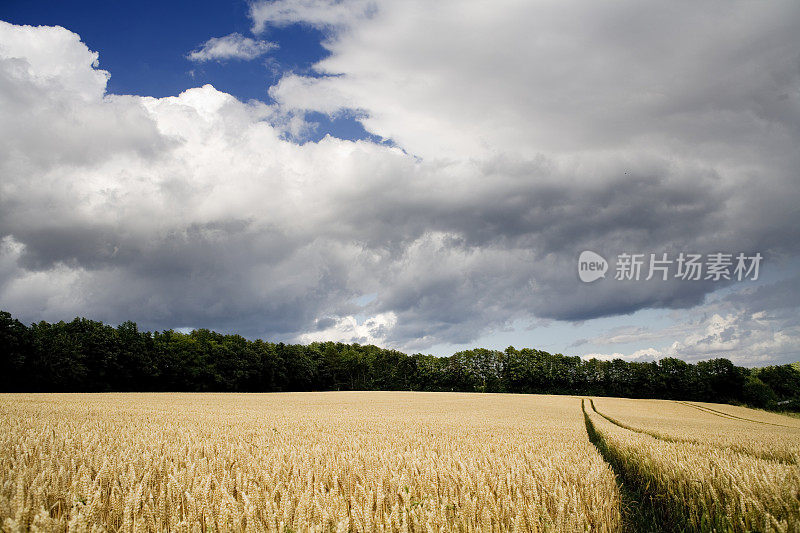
pixel 89 356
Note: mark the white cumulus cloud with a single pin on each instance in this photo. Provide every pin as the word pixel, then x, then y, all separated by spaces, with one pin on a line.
pixel 233 46
pixel 372 330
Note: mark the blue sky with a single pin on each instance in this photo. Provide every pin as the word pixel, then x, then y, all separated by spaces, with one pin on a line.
pixel 144 45
pixel 389 173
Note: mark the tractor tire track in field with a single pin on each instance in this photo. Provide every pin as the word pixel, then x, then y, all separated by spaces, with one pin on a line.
pixel 727 415
pixel 640 512
pixel 659 436
pixel 636 430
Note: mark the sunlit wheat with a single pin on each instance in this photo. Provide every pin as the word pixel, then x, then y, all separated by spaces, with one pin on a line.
pixel 301 462
pixel 705 487
pixel 761 434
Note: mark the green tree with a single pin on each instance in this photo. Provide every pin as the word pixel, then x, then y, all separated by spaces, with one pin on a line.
pixel 15 348
pixel 757 393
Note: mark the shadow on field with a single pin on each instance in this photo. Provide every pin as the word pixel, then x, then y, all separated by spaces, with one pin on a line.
pixel 640 512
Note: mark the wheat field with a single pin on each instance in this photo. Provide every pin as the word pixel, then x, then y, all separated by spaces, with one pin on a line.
pixel 764 435
pixel 387 461
pixel 702 486
pixel 301 462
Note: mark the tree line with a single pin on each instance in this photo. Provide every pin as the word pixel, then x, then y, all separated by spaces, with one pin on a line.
pixel 90 356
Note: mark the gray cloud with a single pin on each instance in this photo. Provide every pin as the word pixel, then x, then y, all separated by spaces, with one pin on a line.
pixel 751 325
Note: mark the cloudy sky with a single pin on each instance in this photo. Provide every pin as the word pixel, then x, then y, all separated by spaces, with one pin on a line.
pixel 419 175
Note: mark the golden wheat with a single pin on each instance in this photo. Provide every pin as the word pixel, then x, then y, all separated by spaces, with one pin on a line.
pixel 764 435
pixel 706 487
pixel 301 462
pixel 746 413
